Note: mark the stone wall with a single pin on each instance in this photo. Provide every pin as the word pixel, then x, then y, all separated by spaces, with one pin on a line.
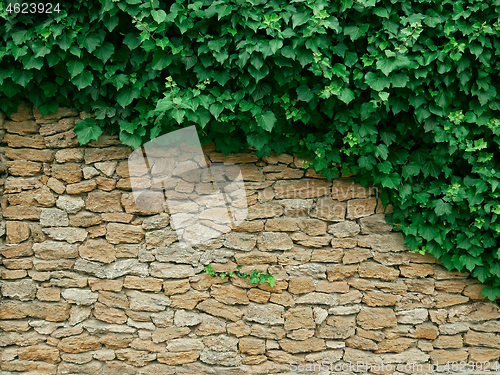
pixel 91 284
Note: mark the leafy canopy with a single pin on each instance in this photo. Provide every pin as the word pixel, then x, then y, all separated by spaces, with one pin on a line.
pixel 402 92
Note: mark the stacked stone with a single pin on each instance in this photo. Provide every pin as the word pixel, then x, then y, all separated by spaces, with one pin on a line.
pixel 93 284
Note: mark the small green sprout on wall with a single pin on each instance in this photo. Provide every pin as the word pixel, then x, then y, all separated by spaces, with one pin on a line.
pixel 254 277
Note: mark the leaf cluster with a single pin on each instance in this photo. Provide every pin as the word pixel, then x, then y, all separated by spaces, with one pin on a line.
pixel 254 277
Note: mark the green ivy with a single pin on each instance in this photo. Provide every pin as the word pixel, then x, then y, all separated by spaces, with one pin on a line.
pixel 254 277
pixel 401 92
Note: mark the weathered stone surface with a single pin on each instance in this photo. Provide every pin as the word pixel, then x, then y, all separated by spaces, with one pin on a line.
pixel 21 213
pixel 93 155
pixel 28 141
pixel 306 188
pixel 67 234
pixel 53 312
pixel 309 345
pixel 141 301
pixel 101 201
pixel 299 317
pixel 123 233
pixel 376 318
pixel 97 250
pixel 29 154
pixel 377 271
pixel 448 356
pixel 329 209
pixel 55 250
pixel 344 229
pixel 43 353
pixel 17 231
pixel 229 294
pixel 272 241
pixel 491 340
pixel 79 344
pixel 171 270
pixel 24 290
pixel 24 168
pixel 356 255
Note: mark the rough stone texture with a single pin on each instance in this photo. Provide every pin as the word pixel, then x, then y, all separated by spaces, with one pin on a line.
pixel 91 283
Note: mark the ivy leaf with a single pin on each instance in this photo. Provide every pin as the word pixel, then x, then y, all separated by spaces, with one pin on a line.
pixel 391 181
pixel 132 140
pixel 126 95
pixel 300 19
pixel 159 15
pixel 105 52
pixel 346 95
pixel 84 79
pixel 258 140
pixel 266 120
pixel 22 77
pixel 375 82
pixel 90 42
pixel 428 232
pixel 304 93
pixel 491 293
pixel 75 67
pixel 442 208
pixel 87 130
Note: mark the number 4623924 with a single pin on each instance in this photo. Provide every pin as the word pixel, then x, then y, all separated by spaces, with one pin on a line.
pixel 33 8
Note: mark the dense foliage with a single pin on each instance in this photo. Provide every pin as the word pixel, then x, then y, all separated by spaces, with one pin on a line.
pixel 402 92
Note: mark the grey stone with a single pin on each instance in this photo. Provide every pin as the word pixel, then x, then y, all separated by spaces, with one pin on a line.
pixel 93 268
pixel 70 204
pixel 177 253
pixel 126 267
pixel 24 290
pixel 68 234
pixel 415 316
pixel 80 296
pixel 97 326
pixel 184 345
pixel 156 222
pixel 265 314
pixel 53 217
pixel 240 241
pixel 316 298
pixel 141 301
pixel 344 229
pixel 211 357
pixel 171 271
pixel 183 318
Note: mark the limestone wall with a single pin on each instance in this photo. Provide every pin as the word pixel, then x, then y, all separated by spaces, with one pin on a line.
pixel 92 284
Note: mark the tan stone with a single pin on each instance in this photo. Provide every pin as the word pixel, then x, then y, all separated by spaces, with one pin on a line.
pixel 425 331
pixel 106 184
pixel 43 353
pixel 378 271
pixel 218 309
pixel 79 344
pixel 229 294
pixel 376 318
pixel 98 250
pixel 259 296
pixel 255 257
pixel 475 291
pixel 282 224
pixel 398 345
pixel 281 172
pixel 283 299
pixel 416 270
pixel 340 272
pixel 305 188
pixel 356 255
pixel 147 284
pixel 68 172
pixel 445 300
pixel 445 356
pixel 254 359
pixel 250 226
pixel 357 208
pixel 327 255
pixel 135 357
pixel 108 285
pixel 21 127
pixel 450 286
pixel 49 294
pixel 22 213
pixel 56 185
pixel 109 315
pixel 188 300
pixel 24 168
pixel 252 346
pixel 93 155
pixel 69 155
pixel 168 334
pixel 344 189
pixel 332 287
pixel 299 285
pixel 17 231
pixel 483 355
pixel 113 299
pixel 329 209
pixel 123 233
pixel 84 219
pixel 81 187
pixel 172 287
pixel 360 284
pixel 490 340
pixel 425 286
pixel 305 346
pixel 177 358
pixel 448 342
pixel 299 317
pixel 362 343
pixel 101 201
pixel 379 299
pixel 29 141
pixel 116 341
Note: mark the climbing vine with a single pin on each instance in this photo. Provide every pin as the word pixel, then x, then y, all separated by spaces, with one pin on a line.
pixel 401 92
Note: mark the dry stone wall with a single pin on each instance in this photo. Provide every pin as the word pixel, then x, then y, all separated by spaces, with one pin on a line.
pixel 92 284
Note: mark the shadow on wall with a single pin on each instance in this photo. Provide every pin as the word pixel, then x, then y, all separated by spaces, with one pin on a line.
pixel 94 282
